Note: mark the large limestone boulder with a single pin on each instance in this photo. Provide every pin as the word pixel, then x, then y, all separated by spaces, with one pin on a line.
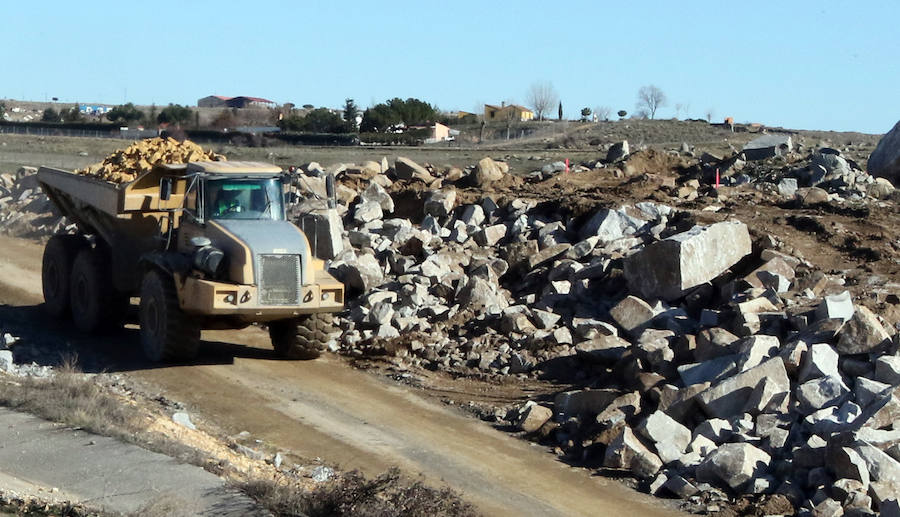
pixel 884 161
pixel 667 269
pixel 734 464
pixel 486 172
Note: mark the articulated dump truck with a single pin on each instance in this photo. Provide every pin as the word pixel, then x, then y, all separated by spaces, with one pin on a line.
pixel 205 245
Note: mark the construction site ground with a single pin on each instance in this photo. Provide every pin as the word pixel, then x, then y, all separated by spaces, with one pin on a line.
pixel 367 415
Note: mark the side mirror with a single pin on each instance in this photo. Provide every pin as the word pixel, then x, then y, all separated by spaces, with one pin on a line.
pixel 165 189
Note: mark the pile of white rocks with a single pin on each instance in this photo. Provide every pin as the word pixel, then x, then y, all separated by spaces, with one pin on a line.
pixel 8 365
pixel 718 366
pixel 25 211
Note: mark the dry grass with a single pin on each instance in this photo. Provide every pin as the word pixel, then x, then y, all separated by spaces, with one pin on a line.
pixel 73 399
pixel 15 505
pixel 388 495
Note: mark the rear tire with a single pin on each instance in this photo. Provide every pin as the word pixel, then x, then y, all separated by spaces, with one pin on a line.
pixel 90 291
pixel 303 337
pixel 56 272
pixel 167 332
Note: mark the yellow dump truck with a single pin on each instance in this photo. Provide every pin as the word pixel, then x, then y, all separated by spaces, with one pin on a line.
pixel 205 245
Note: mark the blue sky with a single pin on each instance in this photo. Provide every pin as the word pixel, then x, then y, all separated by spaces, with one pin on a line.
pixel 799 64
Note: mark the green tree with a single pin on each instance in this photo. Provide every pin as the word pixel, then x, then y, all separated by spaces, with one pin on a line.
pixel 174 114
pixel 50 115
pixel 319 120
pixel 585 113
pixel 126 113
pixel 378 119
pixel 72 114
pixel 411 112
pixel 350 114
pixel 560 110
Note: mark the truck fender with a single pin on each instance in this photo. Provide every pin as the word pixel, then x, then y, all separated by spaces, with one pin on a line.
pixel 170 263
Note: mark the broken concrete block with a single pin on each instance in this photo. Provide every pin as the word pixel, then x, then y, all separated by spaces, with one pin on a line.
pixel 627 452
pixel 367 211
pixel 717 430
pixel 756 349
pixel 364 273
pixel 667 269
pixel 440 203
pixel 866 390
pixel 881 467
pixel 486 172
pixel 846 463
pixel 582 402
pixel 709 371
pixel 603 349
pixel 734 464
pixel 632 314
pixel 776 266
pixel 837 306
pixel 820 393
pixel 490 235
pixel 887 369
pixel 714 342
pixel 669 436
pixel 728 397
pixel 862 334
pixel 375 193
pixel 821 361
pixel 533 416
pixel 406 169
pixel 652 346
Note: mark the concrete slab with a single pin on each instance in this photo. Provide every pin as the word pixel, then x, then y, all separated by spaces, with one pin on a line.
pixel 105 472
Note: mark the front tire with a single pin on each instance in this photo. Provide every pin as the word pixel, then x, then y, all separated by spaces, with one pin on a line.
pixel 56 272
pixel 167 332
pixel 303 337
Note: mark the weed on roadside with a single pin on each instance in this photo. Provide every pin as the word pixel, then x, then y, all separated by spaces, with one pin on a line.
pixel 69 397
pixel 352 494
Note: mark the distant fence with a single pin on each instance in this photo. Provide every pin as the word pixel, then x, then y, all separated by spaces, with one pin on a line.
pixel 24 129
pixel 206 136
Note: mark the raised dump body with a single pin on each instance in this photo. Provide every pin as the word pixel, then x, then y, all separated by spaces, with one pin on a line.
pixel 203 244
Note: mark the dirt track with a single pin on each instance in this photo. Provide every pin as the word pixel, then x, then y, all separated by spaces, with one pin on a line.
pixel 327 409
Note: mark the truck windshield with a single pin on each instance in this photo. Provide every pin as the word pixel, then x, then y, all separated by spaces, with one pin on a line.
pixel 244 199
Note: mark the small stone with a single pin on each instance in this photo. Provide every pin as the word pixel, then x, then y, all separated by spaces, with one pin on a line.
pixel 183 419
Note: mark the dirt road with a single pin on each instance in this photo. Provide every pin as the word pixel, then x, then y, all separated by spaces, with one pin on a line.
pixel 327 409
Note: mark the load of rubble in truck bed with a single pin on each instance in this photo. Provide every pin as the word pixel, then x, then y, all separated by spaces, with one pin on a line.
pixel 125 165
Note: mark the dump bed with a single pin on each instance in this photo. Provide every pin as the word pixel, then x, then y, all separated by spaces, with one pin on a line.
pixel 140 195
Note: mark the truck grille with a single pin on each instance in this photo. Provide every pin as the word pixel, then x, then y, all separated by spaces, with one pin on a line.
pixel 279 279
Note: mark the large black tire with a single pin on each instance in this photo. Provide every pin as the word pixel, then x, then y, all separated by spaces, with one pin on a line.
pixel 56 272
pixel 93 300
pixel 167 332
pixel 301 338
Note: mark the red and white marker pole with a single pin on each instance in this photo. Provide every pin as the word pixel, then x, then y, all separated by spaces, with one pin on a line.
pixel 567 165
pixel 717 177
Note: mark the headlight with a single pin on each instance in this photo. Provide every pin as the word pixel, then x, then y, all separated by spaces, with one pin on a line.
pixel 210 260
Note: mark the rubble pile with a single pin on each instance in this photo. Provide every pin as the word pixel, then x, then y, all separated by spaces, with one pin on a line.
pixel 8 365
pixel 126 164
pixel 25 209
pixel 716 366
pixel 820 175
